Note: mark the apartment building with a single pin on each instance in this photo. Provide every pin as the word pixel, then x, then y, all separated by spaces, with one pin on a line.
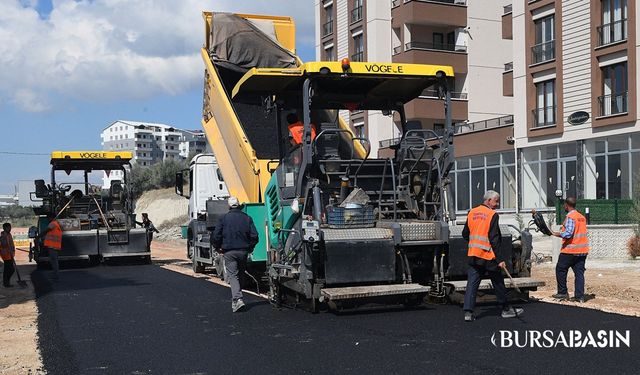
pixel 150 143
pixel 574 81
pixel 466 34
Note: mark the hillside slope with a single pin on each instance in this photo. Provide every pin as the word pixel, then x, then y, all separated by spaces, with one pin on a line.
pixel 166 209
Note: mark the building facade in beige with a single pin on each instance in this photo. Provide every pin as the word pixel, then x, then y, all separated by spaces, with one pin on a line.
pixel 574 82
pixel 466 34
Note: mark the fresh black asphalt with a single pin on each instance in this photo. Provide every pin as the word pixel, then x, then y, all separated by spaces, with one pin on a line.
pixel 143 319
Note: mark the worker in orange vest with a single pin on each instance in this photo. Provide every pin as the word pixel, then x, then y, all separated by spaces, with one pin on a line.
pixel 296 130
pixel 7 252
pixel 573 254
pixel 482 230
pixel 53 243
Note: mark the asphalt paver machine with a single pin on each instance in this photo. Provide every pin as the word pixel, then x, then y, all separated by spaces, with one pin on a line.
pixel 97 223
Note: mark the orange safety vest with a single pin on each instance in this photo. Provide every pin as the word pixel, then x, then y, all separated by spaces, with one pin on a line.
pixel 578 243
pixel 297 131
pixel 479 221
pixel 7 248
pixel 53 238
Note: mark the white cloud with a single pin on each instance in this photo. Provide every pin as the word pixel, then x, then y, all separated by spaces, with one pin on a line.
pixel 113 49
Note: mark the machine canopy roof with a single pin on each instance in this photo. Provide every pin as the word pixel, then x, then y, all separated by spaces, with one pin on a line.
pixel 363 85
pixel 90 160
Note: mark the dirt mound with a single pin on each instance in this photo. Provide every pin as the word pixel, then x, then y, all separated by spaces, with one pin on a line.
pixel 167 210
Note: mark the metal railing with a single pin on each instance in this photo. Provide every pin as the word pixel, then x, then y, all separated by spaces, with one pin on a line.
pixel 612 32
pixel 613 104
pixel 358 56
pixel 544 116
pixel 431 93
pixel 397 50
pixel 508 66
pixel 497 122
pixel 395 3
pixel 453 2
pixel 435 46
pixel 356 14
pixel 508 8
pixel 543 52
pixel 327 28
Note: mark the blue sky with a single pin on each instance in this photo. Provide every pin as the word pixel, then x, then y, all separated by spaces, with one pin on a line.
pixel 70 68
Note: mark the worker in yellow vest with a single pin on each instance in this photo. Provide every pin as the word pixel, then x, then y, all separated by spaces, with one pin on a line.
pixel 482 230
pixel 7 252
pixel 53 244
pixel 573 254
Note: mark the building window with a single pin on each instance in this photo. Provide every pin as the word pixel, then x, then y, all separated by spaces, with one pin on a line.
pixel 614 89
pixel 328 54
pixel 438 41
pixel 611 167
pixel 545 170
pixel 545 48
pixel 356 12
pixel 545 112
pixel 327 27
pixel 144 163
pixel 475 175
pixel 359 131
pixel 358 48
pixel 614 22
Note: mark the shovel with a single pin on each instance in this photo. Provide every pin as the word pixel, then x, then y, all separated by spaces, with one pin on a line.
pixel 22 283
pixel 512 281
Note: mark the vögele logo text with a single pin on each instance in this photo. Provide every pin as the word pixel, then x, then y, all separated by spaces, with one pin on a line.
pixel 561 339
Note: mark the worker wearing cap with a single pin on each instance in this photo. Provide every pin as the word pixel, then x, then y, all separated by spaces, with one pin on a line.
pixel 573 254
pixel 53 243
pixel 235 236
pixel 296 130
pixel 8 253
pixel 482 230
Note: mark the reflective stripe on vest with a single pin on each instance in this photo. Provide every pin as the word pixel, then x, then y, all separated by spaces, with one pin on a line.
pixel 579 242
pixel 479 222
pixel 53 238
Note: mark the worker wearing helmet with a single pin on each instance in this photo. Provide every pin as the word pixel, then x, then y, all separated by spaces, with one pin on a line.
pixel 482 230
pixel 296 130
pixel 235 236
pixel 573 254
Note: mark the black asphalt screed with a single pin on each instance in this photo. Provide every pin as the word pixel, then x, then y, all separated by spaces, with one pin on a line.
pixel 148 320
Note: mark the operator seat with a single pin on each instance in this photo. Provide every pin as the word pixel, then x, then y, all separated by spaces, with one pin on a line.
pixel 116 194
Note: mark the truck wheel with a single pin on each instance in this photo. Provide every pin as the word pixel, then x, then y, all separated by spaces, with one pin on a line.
pixel 190 247
pixel 197 266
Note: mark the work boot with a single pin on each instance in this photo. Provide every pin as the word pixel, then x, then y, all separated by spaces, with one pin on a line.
pixel 578 299
pixel 560 296
pixel 512 312
pixel 237 305
pixel 468 316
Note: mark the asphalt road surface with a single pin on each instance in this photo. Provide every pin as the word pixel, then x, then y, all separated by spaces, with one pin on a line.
pixel 147 320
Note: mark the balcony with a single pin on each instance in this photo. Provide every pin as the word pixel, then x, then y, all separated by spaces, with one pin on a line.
pixel 397 50
pixel 612 33
pixel 614 104
pixel 429 12
pixel 430 107
pixel 507 9
pixel 431 93
pixel 356 14
pixel 358 56
pixel 327 28
pixel 435 46
pixel 543 52
pixel 508 66
pixel 433 53
pixel 483 125
pixel 544 116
